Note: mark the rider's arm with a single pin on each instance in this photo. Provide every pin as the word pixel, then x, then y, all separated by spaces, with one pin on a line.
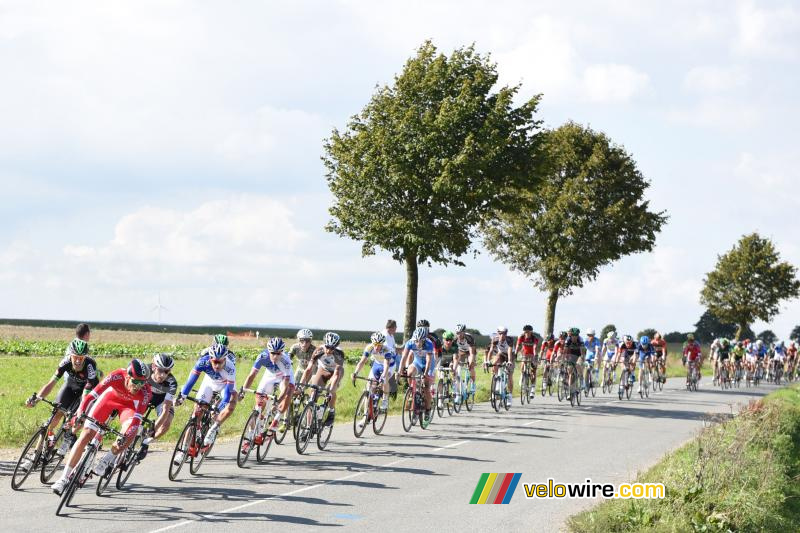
pixel 404 361
pixel 248 381
pixel 192 379
pixel 360 364
pixel 96 392
pixel 47 387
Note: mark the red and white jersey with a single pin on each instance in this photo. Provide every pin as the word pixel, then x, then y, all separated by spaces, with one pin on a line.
pixel 113 386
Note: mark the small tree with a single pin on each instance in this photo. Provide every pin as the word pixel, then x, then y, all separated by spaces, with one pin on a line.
pixel 795 334
pixel 606 329
pixel 589 211
pixel 650 332
pixel 427 159
pixel 768 336
pixel 709 327
pixel 675 337
pixel 748 283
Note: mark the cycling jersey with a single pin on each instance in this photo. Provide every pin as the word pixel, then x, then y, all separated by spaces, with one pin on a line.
pixel 738 353
pixel 691 350
pixel 223 381
pixel 110 395
pixel 573 349
pixel 437 343
pixel 275 372
pixel 548 347
pixel 379 356
pixel 592 346
pixel 85 378
pixel 302 357
pixel 498 346
pixel 163 391
pixel 528 345
pixel 447 355
pixel 644 351
pixel 723 353
pixel 628 351
pixel 611 348
pixel 421 351
pixel 659 346
pixel 329 362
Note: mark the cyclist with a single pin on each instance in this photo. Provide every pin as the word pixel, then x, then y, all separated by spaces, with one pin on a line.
pixel 723 357
pixel 791 358
pixel 660 347
pixel 418 357
pixel 500 351
pixel 610 347
pixel 437 342
pixel 330 369
pixel 548 349
pixel 574 352
pixel 382 364
pixel 447 358
pixel 645 353
pixel 626 353
pixel 81 378
pixel 558 348
pixel 593 347
pixel 693 354
pixel 218 364
pixel 466 351
pixel 779 357
pixel 738 353
pixel 164 388
pixel 389 331
pixel 301 353
pixel 527 343
pixel 277 365
pixel 125 391
pixel 760 352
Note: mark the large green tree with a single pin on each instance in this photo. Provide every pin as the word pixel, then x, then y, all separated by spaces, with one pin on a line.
pixel 588 211
pixel 427 158
pixel 749 283
pixel 709 327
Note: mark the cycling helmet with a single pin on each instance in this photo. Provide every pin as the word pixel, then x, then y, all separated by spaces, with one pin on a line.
pixel 527 327
pixel 726 343
pixel 460 328
pixel 304 333
pixel 657 336
pixel 562 335
pixel 644 340
pixel 781 344
pixel 759 343
pixel 419 334
pixel 378 337
pixel 163 361
pixel 275 344
pixel 448 335
pixel 574 331
pixel 551 338
pixel 611 334
pixel 422 323
pixel 690 337
pixel 138 370
pixel 78 347
pixel 218 351
pixel 590 332
pixel 627 338
pixel 221 339
pixel 331 340
pixel 502 329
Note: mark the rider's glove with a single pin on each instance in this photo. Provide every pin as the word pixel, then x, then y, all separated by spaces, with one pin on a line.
pixel 241 393
pixel 179 400
pixel 30 402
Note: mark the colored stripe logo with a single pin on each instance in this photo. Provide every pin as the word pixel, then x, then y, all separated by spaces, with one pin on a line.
pixel 495 488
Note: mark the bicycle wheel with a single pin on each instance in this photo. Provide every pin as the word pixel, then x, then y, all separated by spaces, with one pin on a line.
pixel 269 437
pixel 571 388
pixel 128 463
pixel 646 384
pixel 287 419
pixel 324 432
pixel 560 389
pixel 545 381
pixel 524 389
pixel 622 379
pixel 458 395
pixel 181 446
pixel 104 479
pixel 408 410
pixel 470 394
pixel 74 483
pixel 28 459
pixel 506 395
pixel 380 418
pixel 449 398
pixel 493 396
pixel 246 441
pixel 439 398
pixel 305 428
pixel 50 459
pixel 361 416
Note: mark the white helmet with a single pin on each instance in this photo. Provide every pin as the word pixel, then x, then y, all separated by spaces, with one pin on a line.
pixel 378 338
pixel 759 343
pixel 421 333
pixel 502 329
pixel 611 334
pixel 304 333
pixel 590 331
pixel 331 340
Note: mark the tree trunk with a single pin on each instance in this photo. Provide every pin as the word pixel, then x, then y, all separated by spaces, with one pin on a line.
pixel 550 313
pixel 412 281
pixel 739 331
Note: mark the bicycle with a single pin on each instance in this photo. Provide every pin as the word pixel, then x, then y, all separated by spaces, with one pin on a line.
pixel 41 450
pixel 414 405
pixel 737 373
pixel 191 441
pixel 609 376
pixel 312 419
pixel 692 377
pixel 444 393
pixel 644 386
pixel 257 431
pixel 499 391
pixel 658 377
pixel 527 380
pixel 724 376
pixel 590 385
pixel 465 389
pixel 368 408
pixel 84 471
pixel 570 382
pixel 547 379
pixel 126 462
pixel 561 375
pixel 625 383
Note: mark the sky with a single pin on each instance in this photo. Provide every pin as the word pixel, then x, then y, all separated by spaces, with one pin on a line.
pixel 173 148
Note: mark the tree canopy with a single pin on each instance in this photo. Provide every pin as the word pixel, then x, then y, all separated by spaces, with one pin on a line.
pixel 589 211
pixel 427 158
pixel 709 327
pixel 749 283
pixel 768 336
pixel 795 334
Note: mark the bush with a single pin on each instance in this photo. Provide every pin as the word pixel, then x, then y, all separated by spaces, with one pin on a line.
pixel 606 329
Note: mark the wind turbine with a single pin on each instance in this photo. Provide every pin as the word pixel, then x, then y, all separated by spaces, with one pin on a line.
pixel 159 308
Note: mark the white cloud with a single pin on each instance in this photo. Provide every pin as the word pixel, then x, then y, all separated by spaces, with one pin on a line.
pixel 766 32
pixel 720 113
pixel 714 79
pixel 605 83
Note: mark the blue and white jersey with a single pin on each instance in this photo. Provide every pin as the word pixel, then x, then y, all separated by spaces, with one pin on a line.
pixel 226 376
pixel 283 366
pixel 379 356
pixel 611 348
pixel 420 350
pixel 644 351
pixel 593 346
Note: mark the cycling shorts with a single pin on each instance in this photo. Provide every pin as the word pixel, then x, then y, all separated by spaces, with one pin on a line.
pixel 378 369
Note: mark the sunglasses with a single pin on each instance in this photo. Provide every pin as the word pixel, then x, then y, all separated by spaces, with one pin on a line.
pixel 275 353
pixel 217 361
pixel 377 344
pixel 138 381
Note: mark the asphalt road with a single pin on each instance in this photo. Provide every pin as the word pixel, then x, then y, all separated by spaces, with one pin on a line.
pixel 421 480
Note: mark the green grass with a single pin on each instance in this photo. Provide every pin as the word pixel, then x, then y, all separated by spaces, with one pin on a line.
pixel 738 475
pixel 22 376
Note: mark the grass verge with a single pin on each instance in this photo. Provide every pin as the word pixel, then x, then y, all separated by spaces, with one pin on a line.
pixel 738 475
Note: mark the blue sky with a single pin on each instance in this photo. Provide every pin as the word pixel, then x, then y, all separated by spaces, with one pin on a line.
pixel 175 146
